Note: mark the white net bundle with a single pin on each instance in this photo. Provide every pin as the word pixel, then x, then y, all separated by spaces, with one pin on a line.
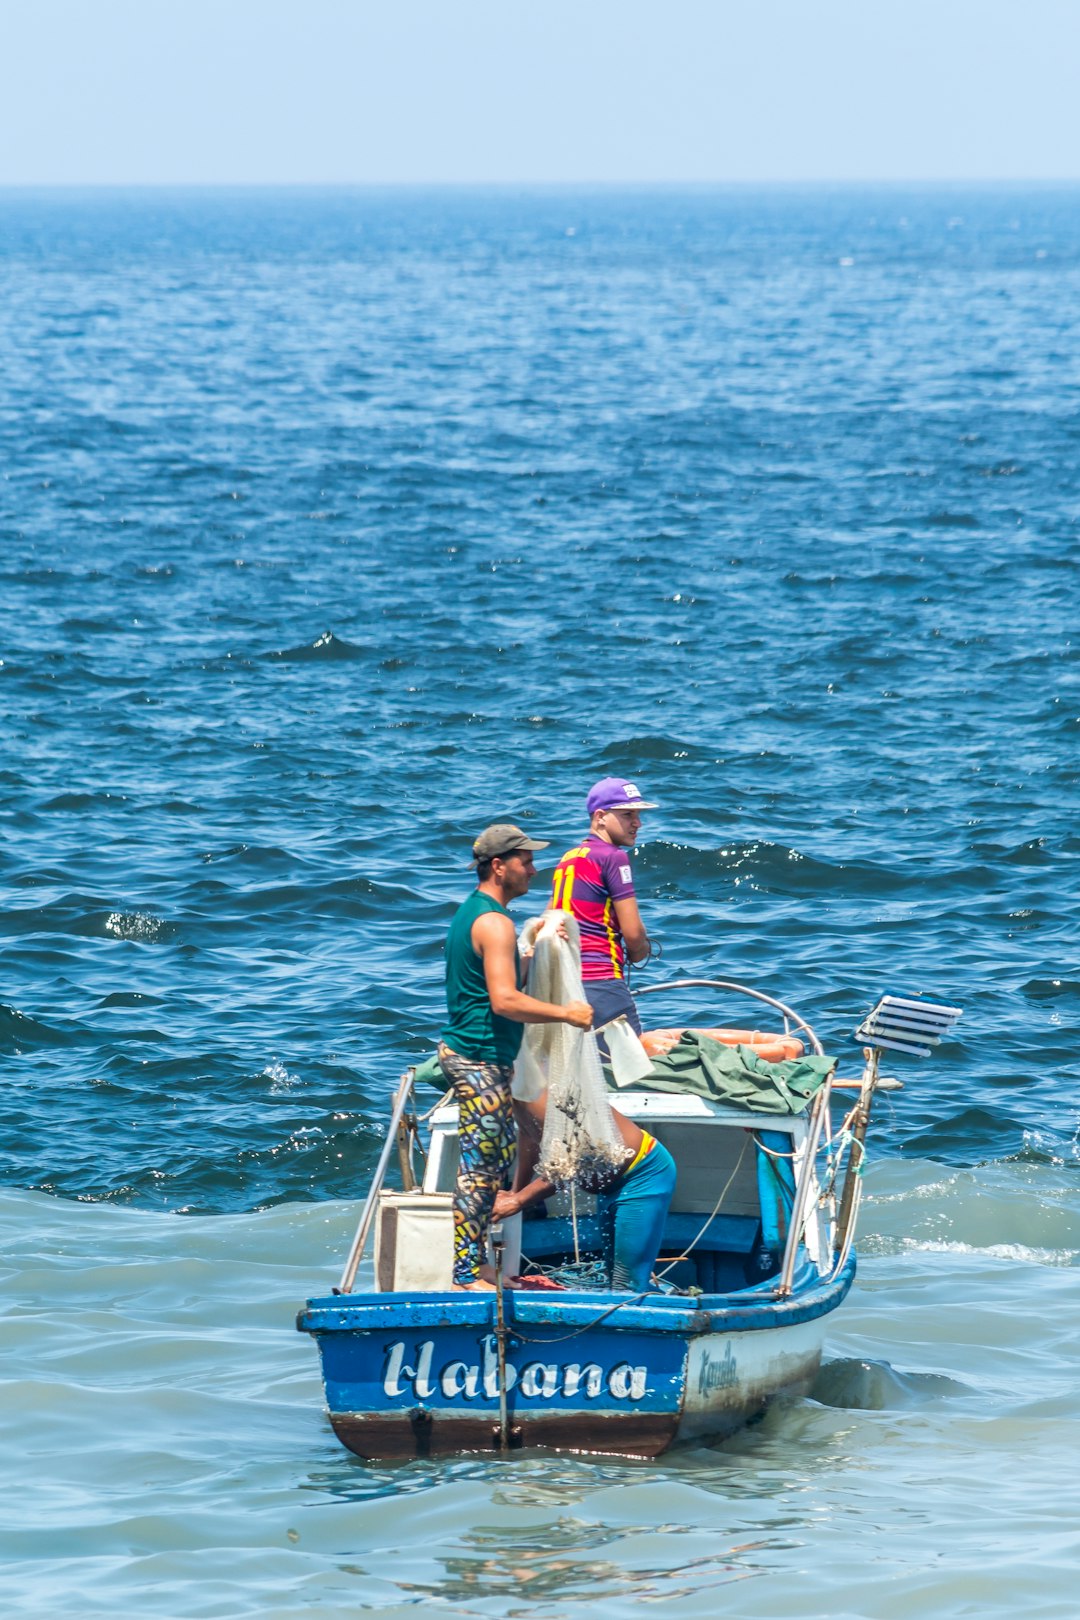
pixel 581 1141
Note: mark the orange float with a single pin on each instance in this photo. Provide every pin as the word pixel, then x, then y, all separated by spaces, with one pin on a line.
pixel 773 1048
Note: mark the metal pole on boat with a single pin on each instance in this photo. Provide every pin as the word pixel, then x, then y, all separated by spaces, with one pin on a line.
pixel 406 1130
pixel 872 1057
pixel 500 1346
pixel 802 1191
pixel 401 1099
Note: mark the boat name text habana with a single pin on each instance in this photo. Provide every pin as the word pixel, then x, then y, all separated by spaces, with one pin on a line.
pixel 543 1379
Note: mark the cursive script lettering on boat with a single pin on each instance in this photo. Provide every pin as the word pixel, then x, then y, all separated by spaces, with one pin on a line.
pixel 537 1380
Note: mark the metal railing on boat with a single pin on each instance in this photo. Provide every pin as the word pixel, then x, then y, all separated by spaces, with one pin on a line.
pixel 371 1203
pixel 790 1016
pixel 818 1116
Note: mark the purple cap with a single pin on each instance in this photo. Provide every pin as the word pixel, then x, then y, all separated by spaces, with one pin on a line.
pixel 615 793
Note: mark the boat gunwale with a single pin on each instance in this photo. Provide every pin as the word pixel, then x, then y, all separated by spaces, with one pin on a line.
pixel 678 1106
pixel 813 1296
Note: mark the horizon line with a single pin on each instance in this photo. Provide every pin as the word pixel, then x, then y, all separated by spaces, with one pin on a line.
pixel 848 182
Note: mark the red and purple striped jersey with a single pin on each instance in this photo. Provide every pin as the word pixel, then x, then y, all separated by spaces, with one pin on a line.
pixel 587 882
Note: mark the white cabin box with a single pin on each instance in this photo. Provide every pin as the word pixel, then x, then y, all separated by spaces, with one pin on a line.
pixel 414 1242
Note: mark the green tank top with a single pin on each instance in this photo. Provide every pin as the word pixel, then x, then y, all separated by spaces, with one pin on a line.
pixel 474 1030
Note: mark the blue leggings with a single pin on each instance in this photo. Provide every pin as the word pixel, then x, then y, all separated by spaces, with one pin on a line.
pixel 632 1213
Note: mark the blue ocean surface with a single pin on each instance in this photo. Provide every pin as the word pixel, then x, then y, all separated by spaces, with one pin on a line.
pixel 336 525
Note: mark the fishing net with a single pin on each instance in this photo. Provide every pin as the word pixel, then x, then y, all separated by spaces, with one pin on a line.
pixel 581 1142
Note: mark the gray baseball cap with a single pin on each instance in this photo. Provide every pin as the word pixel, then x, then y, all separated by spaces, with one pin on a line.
pixel 503 838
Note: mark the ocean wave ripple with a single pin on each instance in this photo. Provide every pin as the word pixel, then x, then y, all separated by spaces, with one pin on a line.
pixel 387 524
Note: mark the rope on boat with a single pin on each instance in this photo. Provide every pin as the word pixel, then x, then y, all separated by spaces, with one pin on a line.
pixel 631 1299
pixel 715 1210
pixel 849 1237
pixel 447 1097
pixel 842 1142
pixel 773 1153
pixel 585 1277
pixel 838 1147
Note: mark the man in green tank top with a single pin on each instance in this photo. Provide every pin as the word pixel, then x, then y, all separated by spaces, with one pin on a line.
pixel 487 1009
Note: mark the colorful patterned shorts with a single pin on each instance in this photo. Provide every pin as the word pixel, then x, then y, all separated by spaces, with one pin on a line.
pixel 488 1147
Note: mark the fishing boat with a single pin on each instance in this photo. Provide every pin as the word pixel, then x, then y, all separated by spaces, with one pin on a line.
pixel 758 1253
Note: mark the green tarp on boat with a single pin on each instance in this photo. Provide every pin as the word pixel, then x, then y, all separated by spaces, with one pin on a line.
pixel 737 1076
pixel 734 1075
pixel 429 1073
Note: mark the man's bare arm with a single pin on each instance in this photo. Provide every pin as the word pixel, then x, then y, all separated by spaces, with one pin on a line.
pixel 494 939
pixel 632 929
pixel 511 1203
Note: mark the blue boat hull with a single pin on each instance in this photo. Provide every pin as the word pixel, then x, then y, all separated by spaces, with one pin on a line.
pixel 584 1372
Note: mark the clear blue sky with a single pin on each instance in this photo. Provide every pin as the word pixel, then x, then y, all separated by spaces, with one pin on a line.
pixel 331 91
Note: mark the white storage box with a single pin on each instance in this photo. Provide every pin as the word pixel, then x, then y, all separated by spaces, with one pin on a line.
pixel 414 1243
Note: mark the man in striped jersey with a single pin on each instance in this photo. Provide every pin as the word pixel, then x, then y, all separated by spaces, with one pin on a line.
pixel 594 882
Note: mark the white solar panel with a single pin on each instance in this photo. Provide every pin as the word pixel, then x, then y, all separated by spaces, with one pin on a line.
pixel 899 1024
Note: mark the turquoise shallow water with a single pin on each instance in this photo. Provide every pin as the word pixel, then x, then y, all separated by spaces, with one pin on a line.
pixel 332 526
pixel 172 1461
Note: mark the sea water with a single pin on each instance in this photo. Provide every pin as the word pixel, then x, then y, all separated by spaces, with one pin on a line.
pixel 334 526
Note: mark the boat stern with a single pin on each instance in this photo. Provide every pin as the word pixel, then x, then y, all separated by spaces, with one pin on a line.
pixel 411 1378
